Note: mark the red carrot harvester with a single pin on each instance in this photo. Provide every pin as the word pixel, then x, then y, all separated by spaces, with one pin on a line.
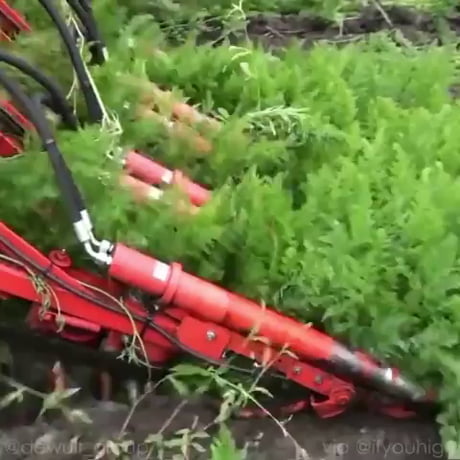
pixel 103 311
pixel 189 315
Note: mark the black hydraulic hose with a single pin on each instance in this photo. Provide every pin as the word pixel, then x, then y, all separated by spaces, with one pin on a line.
pixel 85 15
pixel 86 4
pixel 39 100
pixel 60 103
pixel 95 111
pixel 71 195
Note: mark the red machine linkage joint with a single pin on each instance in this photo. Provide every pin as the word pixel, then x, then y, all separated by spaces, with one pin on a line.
pixel 212 303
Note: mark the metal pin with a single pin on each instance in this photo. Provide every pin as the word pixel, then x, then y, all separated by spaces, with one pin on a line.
pixel 211 335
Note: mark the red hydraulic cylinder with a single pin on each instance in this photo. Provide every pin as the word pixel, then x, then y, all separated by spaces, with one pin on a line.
pixel 146 169
pixel 215 304
pixel 154 173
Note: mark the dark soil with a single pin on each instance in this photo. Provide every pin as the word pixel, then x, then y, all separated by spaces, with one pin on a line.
pixel 278 30
pixel 354 436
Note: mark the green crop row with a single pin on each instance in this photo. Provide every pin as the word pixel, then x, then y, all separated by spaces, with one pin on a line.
pixel 187 9
pixel 335 184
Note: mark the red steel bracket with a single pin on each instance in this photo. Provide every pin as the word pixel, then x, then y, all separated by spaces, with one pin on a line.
pixel 11 22
pixel 8 145
pixel 13 116
pixel 13 125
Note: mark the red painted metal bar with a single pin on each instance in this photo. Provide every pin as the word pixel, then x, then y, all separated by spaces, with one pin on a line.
pixel 11 22
pixel 9 146
pixel 210 302
pixel 14 116
pixel 15 124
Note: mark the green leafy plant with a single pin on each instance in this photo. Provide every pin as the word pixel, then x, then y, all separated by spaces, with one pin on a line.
pixel 223 447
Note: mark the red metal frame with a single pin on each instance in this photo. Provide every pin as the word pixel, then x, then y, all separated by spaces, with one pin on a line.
pixel 10 144
pixel 11 22
pixel 200 316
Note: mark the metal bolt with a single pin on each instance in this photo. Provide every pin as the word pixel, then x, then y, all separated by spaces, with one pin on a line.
pixel 318 379
pixel 211 335
pixel 297 370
